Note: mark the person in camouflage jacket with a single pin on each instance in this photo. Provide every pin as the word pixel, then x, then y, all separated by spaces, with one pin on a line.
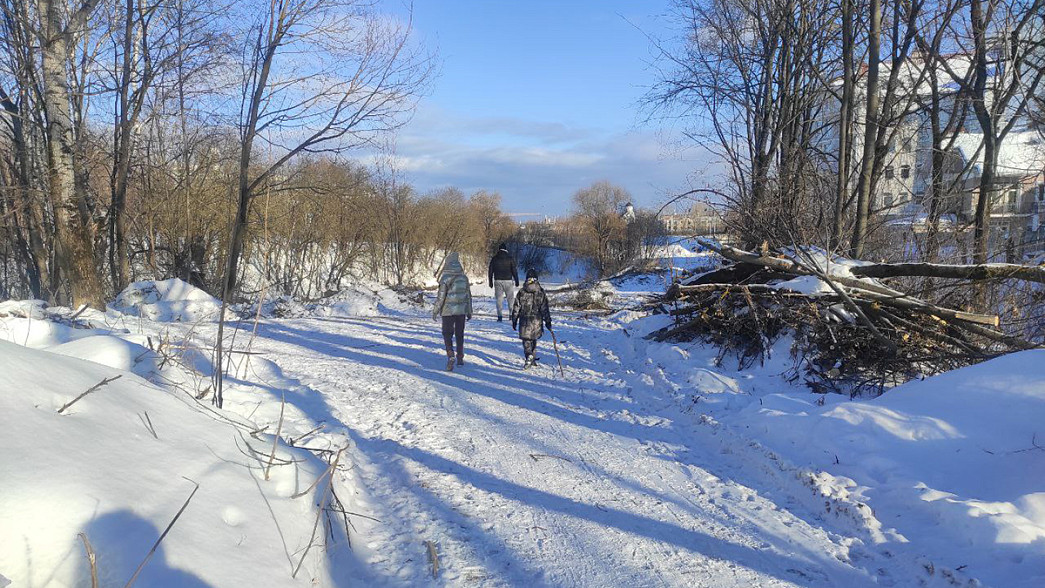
pixel 530 315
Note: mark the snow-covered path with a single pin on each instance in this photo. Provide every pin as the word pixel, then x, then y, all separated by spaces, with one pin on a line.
pixel 525 478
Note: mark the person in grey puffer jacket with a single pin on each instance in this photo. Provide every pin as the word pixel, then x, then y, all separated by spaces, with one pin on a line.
pixel 530 315
pixel 454 304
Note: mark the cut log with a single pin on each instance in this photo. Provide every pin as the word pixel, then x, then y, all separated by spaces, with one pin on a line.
pixel 985 271
pixel 739 255
pixel 937 311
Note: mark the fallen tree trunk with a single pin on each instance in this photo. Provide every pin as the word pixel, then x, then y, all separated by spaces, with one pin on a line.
pixel 984 271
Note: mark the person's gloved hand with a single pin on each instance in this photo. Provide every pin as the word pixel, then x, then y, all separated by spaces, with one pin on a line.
pixel 468 317
pixel 548 325
pixel 435 317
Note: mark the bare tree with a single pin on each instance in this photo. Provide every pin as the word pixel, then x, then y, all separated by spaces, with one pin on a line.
pixel 872 100
pixel 358 78
pixel 946 111
pixel 1003 39
pixel 493 225
pixel 750 74
pixel 845 123
pixel 22 197
pixel 598 210
pixel 156 41
pixel 886 107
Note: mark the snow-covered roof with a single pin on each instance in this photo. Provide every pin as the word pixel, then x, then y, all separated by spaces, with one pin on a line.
pixel 1022 153
pixel 912 73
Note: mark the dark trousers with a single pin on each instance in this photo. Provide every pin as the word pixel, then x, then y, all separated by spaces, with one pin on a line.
pixel 454 326
pixel 529 347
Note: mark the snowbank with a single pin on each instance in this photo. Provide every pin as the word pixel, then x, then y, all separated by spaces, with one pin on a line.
pixel 115 352
pixel 30 309
pixel 167 301
pixel 119 464
pixel 363 299
pixel 956 462
pixel 949 469
pixel 677 250
pixel 38 332
pixel 354 301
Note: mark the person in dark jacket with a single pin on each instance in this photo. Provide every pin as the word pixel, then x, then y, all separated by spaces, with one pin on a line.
pixel 454 304
pixel 501 277
pixel 530 315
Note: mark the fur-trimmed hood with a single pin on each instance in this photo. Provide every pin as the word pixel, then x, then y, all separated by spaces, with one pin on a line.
pixel 451 266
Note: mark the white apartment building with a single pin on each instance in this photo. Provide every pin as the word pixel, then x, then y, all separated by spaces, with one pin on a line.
pixel 904 184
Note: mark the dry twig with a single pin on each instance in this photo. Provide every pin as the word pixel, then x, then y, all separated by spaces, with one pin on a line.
pixel 88 391
pixel 275 439
pixel 156 545
pixel 92 559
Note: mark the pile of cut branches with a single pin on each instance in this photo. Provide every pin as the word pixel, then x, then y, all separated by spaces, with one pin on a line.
pixel 850 333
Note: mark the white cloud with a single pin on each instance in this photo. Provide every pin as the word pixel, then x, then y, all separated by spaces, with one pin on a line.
pixel 539 164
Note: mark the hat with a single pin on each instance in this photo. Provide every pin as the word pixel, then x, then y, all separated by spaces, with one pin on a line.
pixel 531 274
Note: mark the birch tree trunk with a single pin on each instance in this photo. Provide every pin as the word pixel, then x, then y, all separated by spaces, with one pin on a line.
pixel 74 246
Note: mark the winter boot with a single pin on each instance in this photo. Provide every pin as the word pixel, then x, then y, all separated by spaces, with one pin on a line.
pixel 460 360
pixel 450 363
pixel 500 319
pixel 529 362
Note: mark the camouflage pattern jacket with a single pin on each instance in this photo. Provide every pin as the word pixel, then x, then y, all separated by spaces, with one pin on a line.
pixel 530 311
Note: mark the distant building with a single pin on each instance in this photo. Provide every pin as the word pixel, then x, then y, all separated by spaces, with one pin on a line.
pixel 904 186
pixel 629 213
pixel 1018 194
pixel 700 219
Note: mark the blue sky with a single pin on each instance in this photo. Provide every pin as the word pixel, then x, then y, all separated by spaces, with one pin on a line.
pixel 536 99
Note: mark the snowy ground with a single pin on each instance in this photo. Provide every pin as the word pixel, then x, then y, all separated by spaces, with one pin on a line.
pixel 644 465
pixel 522 478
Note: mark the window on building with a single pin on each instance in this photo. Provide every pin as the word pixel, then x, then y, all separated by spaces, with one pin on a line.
pixel 889 173
pixel 887 201
pixel 905 171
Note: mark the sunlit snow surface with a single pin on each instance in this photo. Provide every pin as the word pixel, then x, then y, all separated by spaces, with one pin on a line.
pixel 645 464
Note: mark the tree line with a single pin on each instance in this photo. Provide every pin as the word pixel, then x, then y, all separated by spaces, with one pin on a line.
pixel 134 132
pixel 806 102
pixel 211 142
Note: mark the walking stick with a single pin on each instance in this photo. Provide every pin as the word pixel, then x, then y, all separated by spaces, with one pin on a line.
pixel 555 343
